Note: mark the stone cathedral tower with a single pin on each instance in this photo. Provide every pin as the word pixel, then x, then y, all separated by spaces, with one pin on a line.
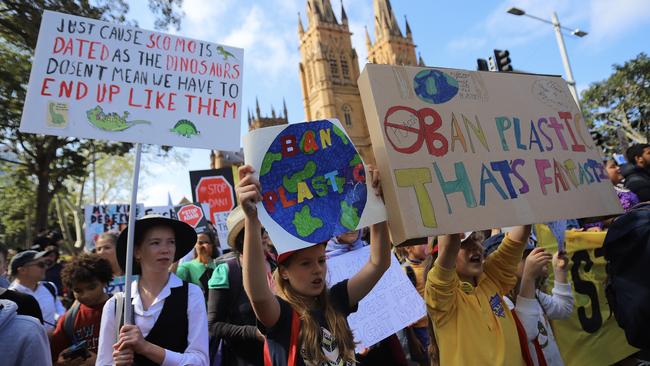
pixel 329 66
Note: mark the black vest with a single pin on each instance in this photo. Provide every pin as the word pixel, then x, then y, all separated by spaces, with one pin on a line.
pixel 170 330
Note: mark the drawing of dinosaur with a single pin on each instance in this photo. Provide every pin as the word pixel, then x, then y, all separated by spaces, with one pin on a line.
pixel 185 128
pixel 57 118
pixel 225 54
pixel 111 122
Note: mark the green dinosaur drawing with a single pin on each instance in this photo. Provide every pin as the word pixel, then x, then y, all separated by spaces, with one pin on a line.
pixel 267 162
pixel 57 118
pixel 225 54
pixel 111 122
pixel 291 184
pixel 305 223
pixel 185 128
pixel 349 216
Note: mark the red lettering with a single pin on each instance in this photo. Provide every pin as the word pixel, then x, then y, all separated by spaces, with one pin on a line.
pixel 44 87
pixel 309 144
pixel 428 121
pixel 359 173
pixel 270 198
pixel 131 103
pixel 283 198
pixel 566 117
pixel 288 146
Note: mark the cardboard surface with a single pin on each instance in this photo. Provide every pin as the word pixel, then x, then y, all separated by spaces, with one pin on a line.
pixel 462 150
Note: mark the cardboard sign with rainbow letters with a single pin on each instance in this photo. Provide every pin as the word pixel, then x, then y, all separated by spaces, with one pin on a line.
pixel 313 183
pixel 461 150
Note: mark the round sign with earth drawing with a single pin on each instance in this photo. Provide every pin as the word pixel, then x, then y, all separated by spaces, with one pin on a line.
pixel 435 87
pixel 313 181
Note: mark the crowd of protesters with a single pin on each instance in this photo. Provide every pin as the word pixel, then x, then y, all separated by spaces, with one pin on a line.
pixel 195 301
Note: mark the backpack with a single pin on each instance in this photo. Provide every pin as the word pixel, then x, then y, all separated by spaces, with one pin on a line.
pixel 627 251
pixel 68 322
pixel 50 287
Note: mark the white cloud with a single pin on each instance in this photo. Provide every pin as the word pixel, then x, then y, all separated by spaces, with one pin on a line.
pixel 610 20
pixel 203 18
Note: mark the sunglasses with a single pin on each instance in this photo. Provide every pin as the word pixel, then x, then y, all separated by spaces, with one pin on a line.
pixel 40 264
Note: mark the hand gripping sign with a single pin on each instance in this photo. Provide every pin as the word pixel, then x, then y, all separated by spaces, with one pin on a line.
pixel 313 183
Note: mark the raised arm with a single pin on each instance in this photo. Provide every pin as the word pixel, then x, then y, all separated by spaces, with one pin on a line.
pixel 448 247
pixel 361 283
pixel 265 305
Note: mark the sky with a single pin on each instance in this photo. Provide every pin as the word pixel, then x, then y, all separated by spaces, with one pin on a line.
pixel 447 34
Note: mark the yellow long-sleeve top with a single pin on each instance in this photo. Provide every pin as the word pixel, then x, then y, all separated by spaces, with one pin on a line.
pixel 473 326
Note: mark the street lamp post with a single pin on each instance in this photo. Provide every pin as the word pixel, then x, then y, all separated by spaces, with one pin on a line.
pixel 560 43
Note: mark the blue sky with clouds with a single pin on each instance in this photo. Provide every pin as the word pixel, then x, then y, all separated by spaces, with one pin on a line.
pixel 447 34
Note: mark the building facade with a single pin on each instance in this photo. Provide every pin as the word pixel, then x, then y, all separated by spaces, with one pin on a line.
pixel 329 66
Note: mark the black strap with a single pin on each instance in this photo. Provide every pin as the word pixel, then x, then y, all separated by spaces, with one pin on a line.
pixel 68 323
pixel 50 287
pixel 235 281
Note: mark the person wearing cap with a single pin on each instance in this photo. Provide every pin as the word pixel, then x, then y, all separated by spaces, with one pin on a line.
pixel 464 295
pixel 230 315
pixel 169 324
pixel 306 323
pixel 28 268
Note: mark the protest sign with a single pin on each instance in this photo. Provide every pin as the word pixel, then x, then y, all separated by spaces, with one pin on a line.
pixel 102 218
pixel 108 81
pixel 461 150
pixel 216 187
pixel 390 306
pixel 591 335
pixel 313 183
pixel 167 211
pixel 195 215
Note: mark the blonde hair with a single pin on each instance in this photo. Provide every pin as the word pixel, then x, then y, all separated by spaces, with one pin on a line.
pixel 310 333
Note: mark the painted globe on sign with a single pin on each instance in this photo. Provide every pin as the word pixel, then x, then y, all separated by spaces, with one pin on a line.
pixel 329 212
pixel 433 86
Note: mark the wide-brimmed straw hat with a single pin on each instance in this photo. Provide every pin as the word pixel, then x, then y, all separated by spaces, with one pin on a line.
pixel 235 224
pixel 184 233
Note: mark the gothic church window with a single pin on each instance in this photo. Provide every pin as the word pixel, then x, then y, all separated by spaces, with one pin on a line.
pixel 334 65
pixel 347 115
pixel 345 69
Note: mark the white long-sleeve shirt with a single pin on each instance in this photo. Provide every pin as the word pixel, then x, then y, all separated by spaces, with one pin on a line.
pixel 535 314
pixel 50 305
pixel 196 352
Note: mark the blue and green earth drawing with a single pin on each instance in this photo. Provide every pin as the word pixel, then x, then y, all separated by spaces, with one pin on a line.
pixel 433 86
pixel 317 190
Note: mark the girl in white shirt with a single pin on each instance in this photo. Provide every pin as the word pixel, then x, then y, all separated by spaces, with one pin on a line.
pixel 169 316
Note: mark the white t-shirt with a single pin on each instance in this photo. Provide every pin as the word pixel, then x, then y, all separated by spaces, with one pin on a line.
pixel 50 305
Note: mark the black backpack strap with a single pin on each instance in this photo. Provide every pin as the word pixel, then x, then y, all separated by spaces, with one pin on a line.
pixel 68 322
pixel 50 287
pixel 410 273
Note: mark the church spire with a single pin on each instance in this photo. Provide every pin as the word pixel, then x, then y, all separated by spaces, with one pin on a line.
pixel 321 11
pixel 385 22
pixel 368 41
pixel 301 29
pixel 284 109
pixel 420 60
pixel 257 107
pixel 408 28
pixel 344 16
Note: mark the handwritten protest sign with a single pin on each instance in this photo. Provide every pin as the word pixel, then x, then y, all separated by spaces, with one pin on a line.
pixel 391 305
pixel 591 335
pixel 313 183
pixel 216 188
pixel 167 211
pixel 461 150
pixel 102 218
pixel 107 81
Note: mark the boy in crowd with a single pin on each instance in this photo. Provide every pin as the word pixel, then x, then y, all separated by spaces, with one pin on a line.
pixel 637 173
pixel 86 276
pixel 464 292
pixel 28 268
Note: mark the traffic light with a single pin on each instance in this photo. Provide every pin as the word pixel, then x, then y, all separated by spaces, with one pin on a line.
pixel 502 60
pixel 482 65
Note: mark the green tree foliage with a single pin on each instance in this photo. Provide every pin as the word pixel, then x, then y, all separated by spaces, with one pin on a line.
pixel 40 165
pixel 620 103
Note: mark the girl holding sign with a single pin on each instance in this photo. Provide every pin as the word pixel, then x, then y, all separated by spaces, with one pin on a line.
pixel 306 324
pixel 170 324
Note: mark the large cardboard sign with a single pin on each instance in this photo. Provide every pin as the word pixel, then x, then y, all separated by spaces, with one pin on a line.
pixel 461 150
pixel 392 305
pixel 591 335
pixel 109 217
pixel 216 187
pixel 107 81
pixel 313 183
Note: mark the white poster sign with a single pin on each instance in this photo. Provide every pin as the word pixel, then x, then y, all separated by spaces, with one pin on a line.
pixel 107 81
pixel 392 304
